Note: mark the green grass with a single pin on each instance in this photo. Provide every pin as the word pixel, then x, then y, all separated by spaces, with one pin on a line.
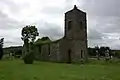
pixel 17 70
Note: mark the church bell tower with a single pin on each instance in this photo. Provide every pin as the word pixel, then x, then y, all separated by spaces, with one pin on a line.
pixel 75 24
pixel 76 32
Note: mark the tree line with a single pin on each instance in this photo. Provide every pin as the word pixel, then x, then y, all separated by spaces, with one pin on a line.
pixel 98 51
pixel 101 51
pixel 29 34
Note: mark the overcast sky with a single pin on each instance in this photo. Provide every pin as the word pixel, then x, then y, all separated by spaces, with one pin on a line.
pixel 103 19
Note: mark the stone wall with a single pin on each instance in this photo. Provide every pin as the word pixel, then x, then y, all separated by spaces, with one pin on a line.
pixel 54 52
pixel 48 52
pixel 65 46
pixel 37 52
pixel 80 51
pixel 45 52
pixel 77 48
pixel 59 51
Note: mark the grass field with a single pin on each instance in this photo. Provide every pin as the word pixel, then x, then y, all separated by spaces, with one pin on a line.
pixel 17 70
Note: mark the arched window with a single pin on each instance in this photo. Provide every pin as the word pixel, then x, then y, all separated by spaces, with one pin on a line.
pixel 81 53
pixel 69 25
pixel 81 25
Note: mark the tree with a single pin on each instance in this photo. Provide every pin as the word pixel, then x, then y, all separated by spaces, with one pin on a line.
pixel 107 53
pixel 91 51
pixel 1 49
pixel 29 34
pixel 97 52
pixel 102 51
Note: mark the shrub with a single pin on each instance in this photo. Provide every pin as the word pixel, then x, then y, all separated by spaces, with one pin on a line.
pixel 28 59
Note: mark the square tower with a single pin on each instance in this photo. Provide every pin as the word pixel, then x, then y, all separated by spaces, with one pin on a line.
pixel 76 34
pixel 75 24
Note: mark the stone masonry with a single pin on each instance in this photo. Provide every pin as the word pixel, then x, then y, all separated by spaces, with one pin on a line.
pixel 72 48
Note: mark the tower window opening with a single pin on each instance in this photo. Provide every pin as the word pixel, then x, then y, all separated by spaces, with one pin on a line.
pixel 81 25
pixel 69 25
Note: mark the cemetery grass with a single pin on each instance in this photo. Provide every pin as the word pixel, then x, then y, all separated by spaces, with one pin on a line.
pixel 17 70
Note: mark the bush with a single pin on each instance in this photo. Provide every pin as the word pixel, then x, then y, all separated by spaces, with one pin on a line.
pixel 28 59
pixel 29 55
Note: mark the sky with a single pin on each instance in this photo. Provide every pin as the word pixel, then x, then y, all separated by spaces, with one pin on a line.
pixel 103 20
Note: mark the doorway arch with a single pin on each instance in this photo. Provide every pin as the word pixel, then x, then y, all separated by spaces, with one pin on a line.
pixel 69 56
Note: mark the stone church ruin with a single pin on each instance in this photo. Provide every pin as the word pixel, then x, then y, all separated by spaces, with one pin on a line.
pixel 72 48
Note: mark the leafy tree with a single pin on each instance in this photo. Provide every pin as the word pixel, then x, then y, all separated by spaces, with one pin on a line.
pixel 1 49
pixel 102 50
pixel 91 51
pixel 29 34
pixel 97 50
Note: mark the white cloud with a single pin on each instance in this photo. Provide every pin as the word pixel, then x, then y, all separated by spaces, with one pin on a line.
pixel 103 19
